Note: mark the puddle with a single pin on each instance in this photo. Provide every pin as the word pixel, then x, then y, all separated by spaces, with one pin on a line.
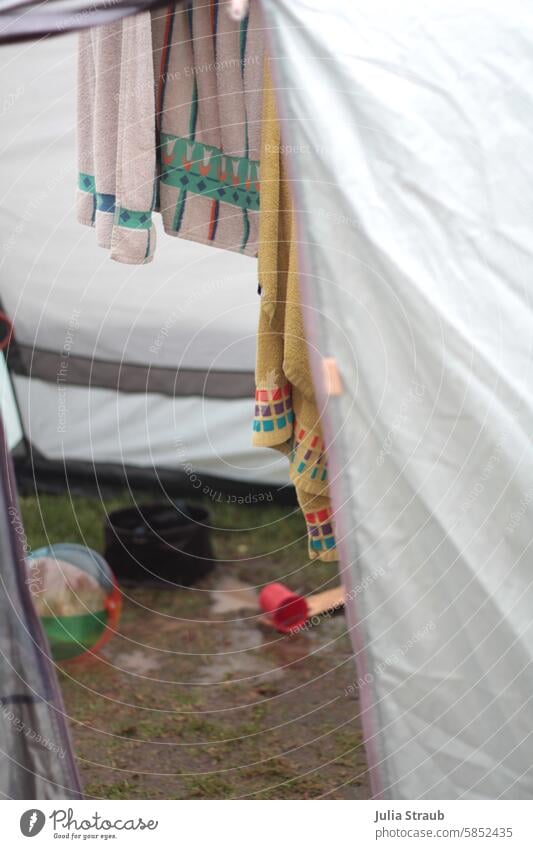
pixel 327 633
pixel 241 655
pixel 240 658
pixel 136 661
pixel 231 595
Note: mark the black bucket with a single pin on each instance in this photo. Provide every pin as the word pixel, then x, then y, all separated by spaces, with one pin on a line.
pixel 160 545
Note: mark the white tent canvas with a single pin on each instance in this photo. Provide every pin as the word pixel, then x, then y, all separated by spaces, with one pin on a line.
pixel 409 128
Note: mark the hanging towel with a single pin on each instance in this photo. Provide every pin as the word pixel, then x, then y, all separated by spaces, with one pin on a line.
pixel 209 71
pixel 116 137
pixel 169 114
pixel 286 413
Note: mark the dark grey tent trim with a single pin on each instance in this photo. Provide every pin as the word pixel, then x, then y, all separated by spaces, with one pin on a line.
pixel 38 475
pixel 21 20
pixel 37 759
pixel 52 367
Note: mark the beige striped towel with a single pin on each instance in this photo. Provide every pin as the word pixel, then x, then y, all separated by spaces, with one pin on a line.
pixel 169 118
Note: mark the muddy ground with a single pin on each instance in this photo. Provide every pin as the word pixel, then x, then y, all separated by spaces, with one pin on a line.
pixel 196 697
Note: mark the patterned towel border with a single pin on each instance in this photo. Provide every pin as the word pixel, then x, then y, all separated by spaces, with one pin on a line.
pixel 205 170
pixel 129 218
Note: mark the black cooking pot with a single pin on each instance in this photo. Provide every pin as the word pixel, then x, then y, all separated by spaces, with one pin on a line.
pixel 159 544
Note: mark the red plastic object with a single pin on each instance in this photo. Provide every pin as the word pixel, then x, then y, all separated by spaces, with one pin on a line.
pixel 6 331
pixel 286 609
pixel 113 606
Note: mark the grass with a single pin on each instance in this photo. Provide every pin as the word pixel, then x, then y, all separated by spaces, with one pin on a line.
pixel 117 790
pixel 161 735
pixel 50 519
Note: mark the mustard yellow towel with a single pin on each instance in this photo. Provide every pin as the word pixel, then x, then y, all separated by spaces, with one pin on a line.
pixel 286 414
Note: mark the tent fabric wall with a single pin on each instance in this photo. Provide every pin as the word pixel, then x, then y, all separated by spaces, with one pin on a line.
pixel 408 130
pixel 36 759
pixel 176 337
pixel 103 426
